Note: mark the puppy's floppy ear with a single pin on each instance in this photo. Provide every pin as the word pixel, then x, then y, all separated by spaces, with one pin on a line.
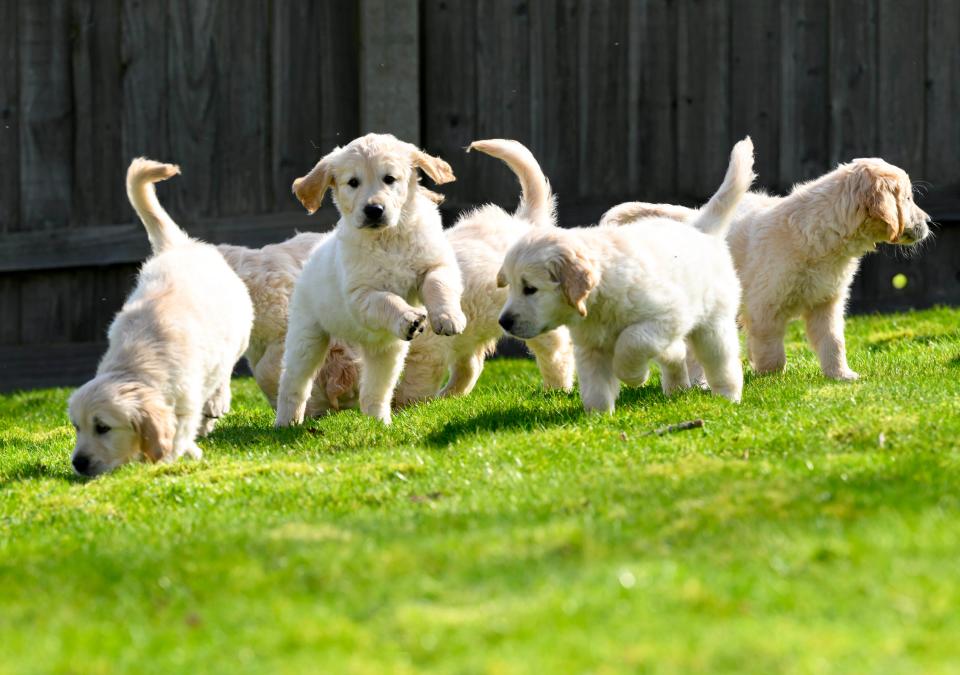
pixel 155 423
pixel 881 197
pixel 501 279
pixel 438 170
pixel 576 276
pixel 434 197
pixel 311 188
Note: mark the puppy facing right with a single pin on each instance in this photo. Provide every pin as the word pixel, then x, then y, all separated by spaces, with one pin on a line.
pixel 387 252
pixel 797 255
pixel 634 293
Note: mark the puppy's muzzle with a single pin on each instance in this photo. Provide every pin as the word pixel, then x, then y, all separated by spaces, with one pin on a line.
pixel 373 215
pixel 81 464
pixel 507 322
pixel 915 233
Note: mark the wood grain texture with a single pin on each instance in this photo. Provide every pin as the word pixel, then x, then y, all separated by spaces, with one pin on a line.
pixel 853 80
pixel 703 82
pixel 46 130
pixel 942 131
pixel 9 116
pixel 9 309
pixel 804 91
pixel 901 93
pixel 390 68
pixel 145 85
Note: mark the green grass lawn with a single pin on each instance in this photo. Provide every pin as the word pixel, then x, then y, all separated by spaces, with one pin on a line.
pixel 813 528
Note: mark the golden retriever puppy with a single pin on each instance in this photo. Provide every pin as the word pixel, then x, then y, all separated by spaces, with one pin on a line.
pixel 797 255
pixel 270 274
pixel 480 239
pixel 634 293
pixel 361 285
pixel 165 377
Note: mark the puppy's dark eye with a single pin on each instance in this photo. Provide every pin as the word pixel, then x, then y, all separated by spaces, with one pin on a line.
pixel 353 182
pixel 529 290
pixel 389 180
pixel 100 428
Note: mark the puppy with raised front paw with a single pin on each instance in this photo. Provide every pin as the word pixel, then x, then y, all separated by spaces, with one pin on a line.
pixel 636 293
pixel 364 284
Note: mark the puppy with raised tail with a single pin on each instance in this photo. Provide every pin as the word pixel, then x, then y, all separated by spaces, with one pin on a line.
pixel 480 240
pixel 634 293
pixel 165 378
pixel 363 284
pixel 797 255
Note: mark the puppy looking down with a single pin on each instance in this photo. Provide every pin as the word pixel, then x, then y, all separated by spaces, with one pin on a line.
pixel 165 377
pixel 634 293
pixel 386 254
pixel 797 255
pixel 480 240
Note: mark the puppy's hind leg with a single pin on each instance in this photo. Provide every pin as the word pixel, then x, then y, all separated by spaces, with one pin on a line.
pixel 554 354
pixel 673 368
pixel 717 347
pixel 639 343
pixel 599 387
pixel 305 348
pixel 464 373
pixel 381 370
pixel 423 371
pixel 216 407
pixel 765 341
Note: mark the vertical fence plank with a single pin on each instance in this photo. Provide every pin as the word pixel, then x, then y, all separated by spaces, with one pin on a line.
pixel 943 95
pixel 389 68
pixel 98 169
pixel 9 309
pixel 900 78
pixel 703 115
pixel 9 117
pixel 146 89
pixel 804 91
pixel 853 79
pixel 450 111
pixel 194 94
pixel 46 132
pixel 242 126
pixel 755 82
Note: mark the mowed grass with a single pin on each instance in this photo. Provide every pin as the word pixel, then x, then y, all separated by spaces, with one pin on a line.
pixel 814 528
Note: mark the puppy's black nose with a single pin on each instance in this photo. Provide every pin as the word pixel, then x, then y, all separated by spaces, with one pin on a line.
pixel 373 211
pixel 81 463
pixel 506 322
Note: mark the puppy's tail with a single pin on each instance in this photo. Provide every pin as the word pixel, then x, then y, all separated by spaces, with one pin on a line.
pixel 716 215
pixel 537 203
pixel 161 229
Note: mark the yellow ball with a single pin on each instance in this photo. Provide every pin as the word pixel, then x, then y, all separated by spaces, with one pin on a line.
pixel 899 281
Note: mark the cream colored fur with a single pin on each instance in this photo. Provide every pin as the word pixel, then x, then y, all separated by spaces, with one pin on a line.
pixel 362 284
pixel 634 293
pixel 796 256
pixel 480 239
pixel 165 378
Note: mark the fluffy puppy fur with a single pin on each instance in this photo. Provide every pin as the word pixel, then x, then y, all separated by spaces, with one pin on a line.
pixel 480 239
pixel 270 274
pixel 165 377
pixel 387 252
pixel 634 293
pixel 797 255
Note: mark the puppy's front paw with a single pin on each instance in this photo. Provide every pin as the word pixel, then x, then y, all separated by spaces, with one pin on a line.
pixel 448 323
pixel 844 376
pixel 193 452
pixel 289 413
pixel 411 323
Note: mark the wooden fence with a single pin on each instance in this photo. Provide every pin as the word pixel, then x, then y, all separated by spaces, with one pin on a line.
pixel 619 99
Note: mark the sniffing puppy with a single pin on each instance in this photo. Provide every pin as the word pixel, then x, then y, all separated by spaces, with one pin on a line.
pixel 797 255
pixel 387 252
pixel 480 240
pixel 165 377
pixel 634 293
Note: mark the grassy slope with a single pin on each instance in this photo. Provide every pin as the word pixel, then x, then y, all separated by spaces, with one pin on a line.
pixel 507 532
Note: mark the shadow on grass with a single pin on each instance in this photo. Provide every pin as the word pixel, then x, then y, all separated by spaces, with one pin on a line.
pixel 954 362
pixel 923 339
pixel 25 472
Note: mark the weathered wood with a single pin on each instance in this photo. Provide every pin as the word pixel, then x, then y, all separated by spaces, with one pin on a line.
pixel 900 81
pixel 390 68
pixel 9 309
pixel 242 159
pixel 55 306
pixel 46 137
pixel 943 95
pixel 98 163
pixel 114 244
pixel 146 100
pixel 755 83
pixel 450 119
pixel 9 117
pixel 853 79
pixel 35 366
pixel 196 89
pixel 703 82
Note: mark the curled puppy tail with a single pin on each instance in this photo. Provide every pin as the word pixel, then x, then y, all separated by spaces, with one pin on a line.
pixel 537 202
pixel 161 229
pixel 716 215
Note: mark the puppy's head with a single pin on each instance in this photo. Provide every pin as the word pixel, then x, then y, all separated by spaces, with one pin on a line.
pixel 883 198
pixel 550 279
pixel 373 180
pixel 118 421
